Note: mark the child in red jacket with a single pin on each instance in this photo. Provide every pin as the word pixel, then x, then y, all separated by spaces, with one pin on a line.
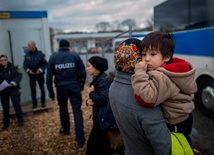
pixel 161 79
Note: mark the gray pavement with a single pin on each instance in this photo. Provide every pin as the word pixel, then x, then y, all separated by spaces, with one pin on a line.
pixel 205 127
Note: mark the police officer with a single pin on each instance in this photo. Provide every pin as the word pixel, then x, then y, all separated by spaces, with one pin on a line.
pixel 12 76
pixel 70 75
pixel 35 65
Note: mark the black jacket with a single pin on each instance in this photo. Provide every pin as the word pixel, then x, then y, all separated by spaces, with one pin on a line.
pixel 100 95
pixel 67 68
pixel 11 74
pixel 35 60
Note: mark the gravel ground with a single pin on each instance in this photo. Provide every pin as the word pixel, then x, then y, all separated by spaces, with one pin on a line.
pixel 40 134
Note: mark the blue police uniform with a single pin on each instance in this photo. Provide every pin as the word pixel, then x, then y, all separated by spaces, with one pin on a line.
pixel 69 77
pixel 13 76
pixel 34 61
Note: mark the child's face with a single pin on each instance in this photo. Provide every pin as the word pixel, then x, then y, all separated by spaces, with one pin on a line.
pixel 154 59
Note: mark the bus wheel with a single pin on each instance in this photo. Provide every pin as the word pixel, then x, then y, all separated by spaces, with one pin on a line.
pixel 205 97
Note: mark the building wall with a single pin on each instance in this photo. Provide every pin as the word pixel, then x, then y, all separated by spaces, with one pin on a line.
pixel 15 35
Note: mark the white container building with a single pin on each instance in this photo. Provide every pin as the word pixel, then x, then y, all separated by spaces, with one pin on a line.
pixel 17 28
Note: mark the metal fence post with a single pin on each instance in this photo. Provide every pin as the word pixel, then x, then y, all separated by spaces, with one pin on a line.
pixel 103 48
pixel 130 31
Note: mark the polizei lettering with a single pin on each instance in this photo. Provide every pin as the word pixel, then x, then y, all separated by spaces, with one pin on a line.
pixel 64 66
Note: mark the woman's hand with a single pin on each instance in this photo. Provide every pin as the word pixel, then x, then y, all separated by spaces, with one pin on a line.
pixel 11 85
pixel 89 102
pixel 90 89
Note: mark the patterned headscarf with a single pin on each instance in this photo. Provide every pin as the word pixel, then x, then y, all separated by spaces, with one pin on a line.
pixel 128 55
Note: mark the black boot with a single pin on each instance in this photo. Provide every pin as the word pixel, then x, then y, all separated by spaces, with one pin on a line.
pixel 20 124
pixel 65 132
pixel 5 126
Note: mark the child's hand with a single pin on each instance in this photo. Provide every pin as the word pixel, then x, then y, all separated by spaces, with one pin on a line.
pixel 142 65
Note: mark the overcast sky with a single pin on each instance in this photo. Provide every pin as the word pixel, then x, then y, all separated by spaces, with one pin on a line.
pixel 83 15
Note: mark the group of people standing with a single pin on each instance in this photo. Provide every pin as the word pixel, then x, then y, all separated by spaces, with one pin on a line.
pixel 150 95
pixel 67 71
pixel 34 65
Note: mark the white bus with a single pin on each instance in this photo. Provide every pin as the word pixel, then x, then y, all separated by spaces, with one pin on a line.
pixel 193 28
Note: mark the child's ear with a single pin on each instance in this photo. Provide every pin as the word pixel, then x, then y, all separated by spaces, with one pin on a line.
pixel 167 58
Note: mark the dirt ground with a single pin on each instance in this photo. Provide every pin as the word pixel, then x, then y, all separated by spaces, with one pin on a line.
pixel 40 134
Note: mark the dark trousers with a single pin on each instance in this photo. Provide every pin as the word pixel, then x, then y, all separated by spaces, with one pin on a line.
pixel 40 79
pixel 73 93
pixel 184 127
pixel 14 94
pixel 98 142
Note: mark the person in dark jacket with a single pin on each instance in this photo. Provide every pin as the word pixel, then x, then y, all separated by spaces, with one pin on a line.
pixel 12 76
pixel 35 65
pixel 98 141
pixel 69 77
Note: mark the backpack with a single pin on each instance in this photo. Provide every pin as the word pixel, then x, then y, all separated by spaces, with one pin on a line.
pixel 105 118
pixel 180 145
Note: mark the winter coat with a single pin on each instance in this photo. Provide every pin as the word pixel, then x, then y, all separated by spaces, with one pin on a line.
pixel 170 86
pixel 34 61
pixel 11 74
pixel 100 95
pixel 67 67
pixel 143 129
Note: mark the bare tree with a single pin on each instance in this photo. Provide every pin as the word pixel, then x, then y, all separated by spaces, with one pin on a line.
pixel 103 26
pixel 149 24
pixel 116 25
pixel 129 22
